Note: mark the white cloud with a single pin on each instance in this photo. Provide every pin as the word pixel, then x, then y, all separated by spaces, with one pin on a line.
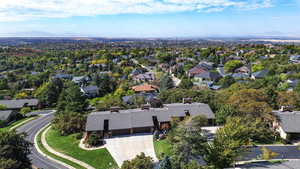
pixel 14 10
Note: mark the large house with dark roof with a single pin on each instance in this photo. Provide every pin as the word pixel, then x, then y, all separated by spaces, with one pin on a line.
pixel 143 120
pixel 287 124
pixel 19 104
pixel 6 117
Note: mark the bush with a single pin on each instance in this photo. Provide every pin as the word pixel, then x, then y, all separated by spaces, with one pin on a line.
pixel 2 123
pixel 69 122
pixel 156 134
pixel 25 110
pixel 2 107
pixel 139 162
pixel 95 140
pixel 79 136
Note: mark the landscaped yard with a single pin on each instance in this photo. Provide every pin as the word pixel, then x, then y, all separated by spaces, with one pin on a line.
pixel 162 146
pixel 45 151
pixel 100 159
pixel 7 128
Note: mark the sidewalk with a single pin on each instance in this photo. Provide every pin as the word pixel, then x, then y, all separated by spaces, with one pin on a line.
pixel 51 150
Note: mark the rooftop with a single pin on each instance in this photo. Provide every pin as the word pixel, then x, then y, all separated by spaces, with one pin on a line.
pixel 4 115
pixel 17 104
pixel 135 118
pixel 289 121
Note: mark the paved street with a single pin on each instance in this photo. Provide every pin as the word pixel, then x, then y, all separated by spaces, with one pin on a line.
pixel 31 128
pixel 41 112
pixel 285 152
pixel 127 147
pixel 295 164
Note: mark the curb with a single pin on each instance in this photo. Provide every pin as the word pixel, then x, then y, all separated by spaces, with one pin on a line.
pixel 42 153
pixel 51 150
pixel 22 123
pixel 255 161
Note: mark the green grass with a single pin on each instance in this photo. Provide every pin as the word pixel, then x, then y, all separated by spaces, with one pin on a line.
pixel 44 150
pixel 7 128
pixel 100 159
pixel 162 146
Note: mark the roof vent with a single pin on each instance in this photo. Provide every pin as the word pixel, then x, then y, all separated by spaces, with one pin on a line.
pixel 145 107
pixel 115 109
pixel 187 100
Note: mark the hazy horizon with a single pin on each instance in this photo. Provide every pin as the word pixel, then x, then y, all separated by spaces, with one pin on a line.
pixel 149 18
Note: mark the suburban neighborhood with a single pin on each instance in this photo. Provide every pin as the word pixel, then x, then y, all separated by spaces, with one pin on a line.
pixel 141 105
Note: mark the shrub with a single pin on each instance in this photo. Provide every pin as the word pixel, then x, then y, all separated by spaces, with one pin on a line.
pixel 25 110
pixel 95 140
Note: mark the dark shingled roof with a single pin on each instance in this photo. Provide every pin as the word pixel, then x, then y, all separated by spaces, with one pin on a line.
pixel 289 121
pixel 4 115
pixel 260 74
pixel 135 118
pixel 17 104
pixel 209 75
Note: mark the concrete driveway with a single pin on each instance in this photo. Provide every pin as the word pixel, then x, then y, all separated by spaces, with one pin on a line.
pixel 127 147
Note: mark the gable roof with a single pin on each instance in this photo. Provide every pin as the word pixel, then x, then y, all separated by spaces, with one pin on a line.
pixel 196 70
pixel 260 74
pixel 239 75
pixel 17 104
pixel 206 65
pixel 209 75
pixel 135 118
pixel 4 115
pixel 289 121
pixel 295 57
pixel 144 76
pixel 63 76
pixel 243 69
pixel 90 89
pixel 145 88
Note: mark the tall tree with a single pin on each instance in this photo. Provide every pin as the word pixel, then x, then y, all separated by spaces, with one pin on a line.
pixel 188 142
pixel 227 145
pixel 105 84
pixel 166 82
pixel 14 151
pixel 139 162
pixel 49 92
pixel 71 99
pixel 186 83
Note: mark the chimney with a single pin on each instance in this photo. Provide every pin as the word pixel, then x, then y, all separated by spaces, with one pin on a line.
pixel 145 107
pixel 187 100
pixel 114 109
pixel 286 108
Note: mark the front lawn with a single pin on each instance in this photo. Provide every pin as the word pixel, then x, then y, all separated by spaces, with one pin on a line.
pixel 45 151
pixel 162 146
pixel 100 159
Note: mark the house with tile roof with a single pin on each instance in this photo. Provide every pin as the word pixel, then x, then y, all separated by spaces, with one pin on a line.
pixel 147 88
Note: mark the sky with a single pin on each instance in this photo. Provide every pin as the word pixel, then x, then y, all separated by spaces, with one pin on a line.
pixel 150 18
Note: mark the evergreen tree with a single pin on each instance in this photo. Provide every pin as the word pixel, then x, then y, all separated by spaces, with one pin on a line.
pixel 165 163
pixel 105 84
pixel 186 83
pixel 49 92
pixel 14 151
pixel 71 99
pixel 166 82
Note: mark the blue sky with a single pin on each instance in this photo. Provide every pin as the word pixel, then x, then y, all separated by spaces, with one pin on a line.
pixel 150 18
